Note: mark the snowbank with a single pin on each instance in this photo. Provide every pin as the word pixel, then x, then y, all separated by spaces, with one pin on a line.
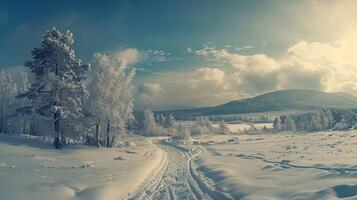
pixel 284 166
pixel 34 170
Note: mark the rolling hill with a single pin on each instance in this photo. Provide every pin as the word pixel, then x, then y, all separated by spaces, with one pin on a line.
pixel 282 100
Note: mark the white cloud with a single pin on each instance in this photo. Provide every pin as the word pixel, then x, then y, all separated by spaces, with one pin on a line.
pixel 335 64
pixel 203 86
pixel 130 55
pixel 158 55
pixel 201 52
pixel 150 89
pixel 146 94
pixel 134 56
pixel 244 47
pixel 188 50
pixel 207 76
pixel 258 63
pixel 330 67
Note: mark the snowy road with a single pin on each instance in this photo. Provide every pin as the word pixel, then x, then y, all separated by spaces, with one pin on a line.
pixel 173 180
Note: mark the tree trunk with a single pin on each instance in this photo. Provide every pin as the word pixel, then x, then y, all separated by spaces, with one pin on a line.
pixel 56 116
pixel 32 125
pixel 57 139
pixel 1 124
pixel 63 140
pixel 108 133
pixel 23 126
pixel 112 142
pixel 97 134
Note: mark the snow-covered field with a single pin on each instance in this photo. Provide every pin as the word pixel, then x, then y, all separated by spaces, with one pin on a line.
pixel 33 170
pixel 319 165
pixel 282 166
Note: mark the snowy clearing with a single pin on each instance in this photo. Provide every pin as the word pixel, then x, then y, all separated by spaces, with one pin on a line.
pixel 282 166
pixel 272 166
pixel 32 169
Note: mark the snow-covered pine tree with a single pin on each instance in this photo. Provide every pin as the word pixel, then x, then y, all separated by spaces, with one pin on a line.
pixel 58 87
pixel 111 98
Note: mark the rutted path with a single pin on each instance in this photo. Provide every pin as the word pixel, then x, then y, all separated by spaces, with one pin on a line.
pixel 173 180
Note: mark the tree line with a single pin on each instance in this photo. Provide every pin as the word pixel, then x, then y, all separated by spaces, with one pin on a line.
pixel 323 119
pixel 161 125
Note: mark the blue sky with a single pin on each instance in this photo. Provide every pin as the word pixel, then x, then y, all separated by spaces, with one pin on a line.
pixel 221 50
pixel 106 25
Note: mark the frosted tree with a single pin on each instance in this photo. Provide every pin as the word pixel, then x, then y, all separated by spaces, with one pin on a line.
pixel 349 118
pixel 277 124
pixel 31 103
pixel 326 118
pixel 171 121
pixel 150 126
pixel 182 132
pixel 23 83
pixel 202 126
pixel 162 119
pixel 283 122
pixel 315 122
pixel 149 122
pixel 322 119
pixel 111 100
pixel 299 123
pixel 223 128
pixel 7 97
pixel 344 119
pixel 58 88
pixel 171 125
pixel 290 124
pixel 205 122
pixel 22 88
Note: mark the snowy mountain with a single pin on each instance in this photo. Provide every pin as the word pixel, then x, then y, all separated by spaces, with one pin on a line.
pixel 275 101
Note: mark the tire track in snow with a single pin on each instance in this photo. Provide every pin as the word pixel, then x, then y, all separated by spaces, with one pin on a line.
pixel 341 170
pixel 211 149
pixel 174 179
